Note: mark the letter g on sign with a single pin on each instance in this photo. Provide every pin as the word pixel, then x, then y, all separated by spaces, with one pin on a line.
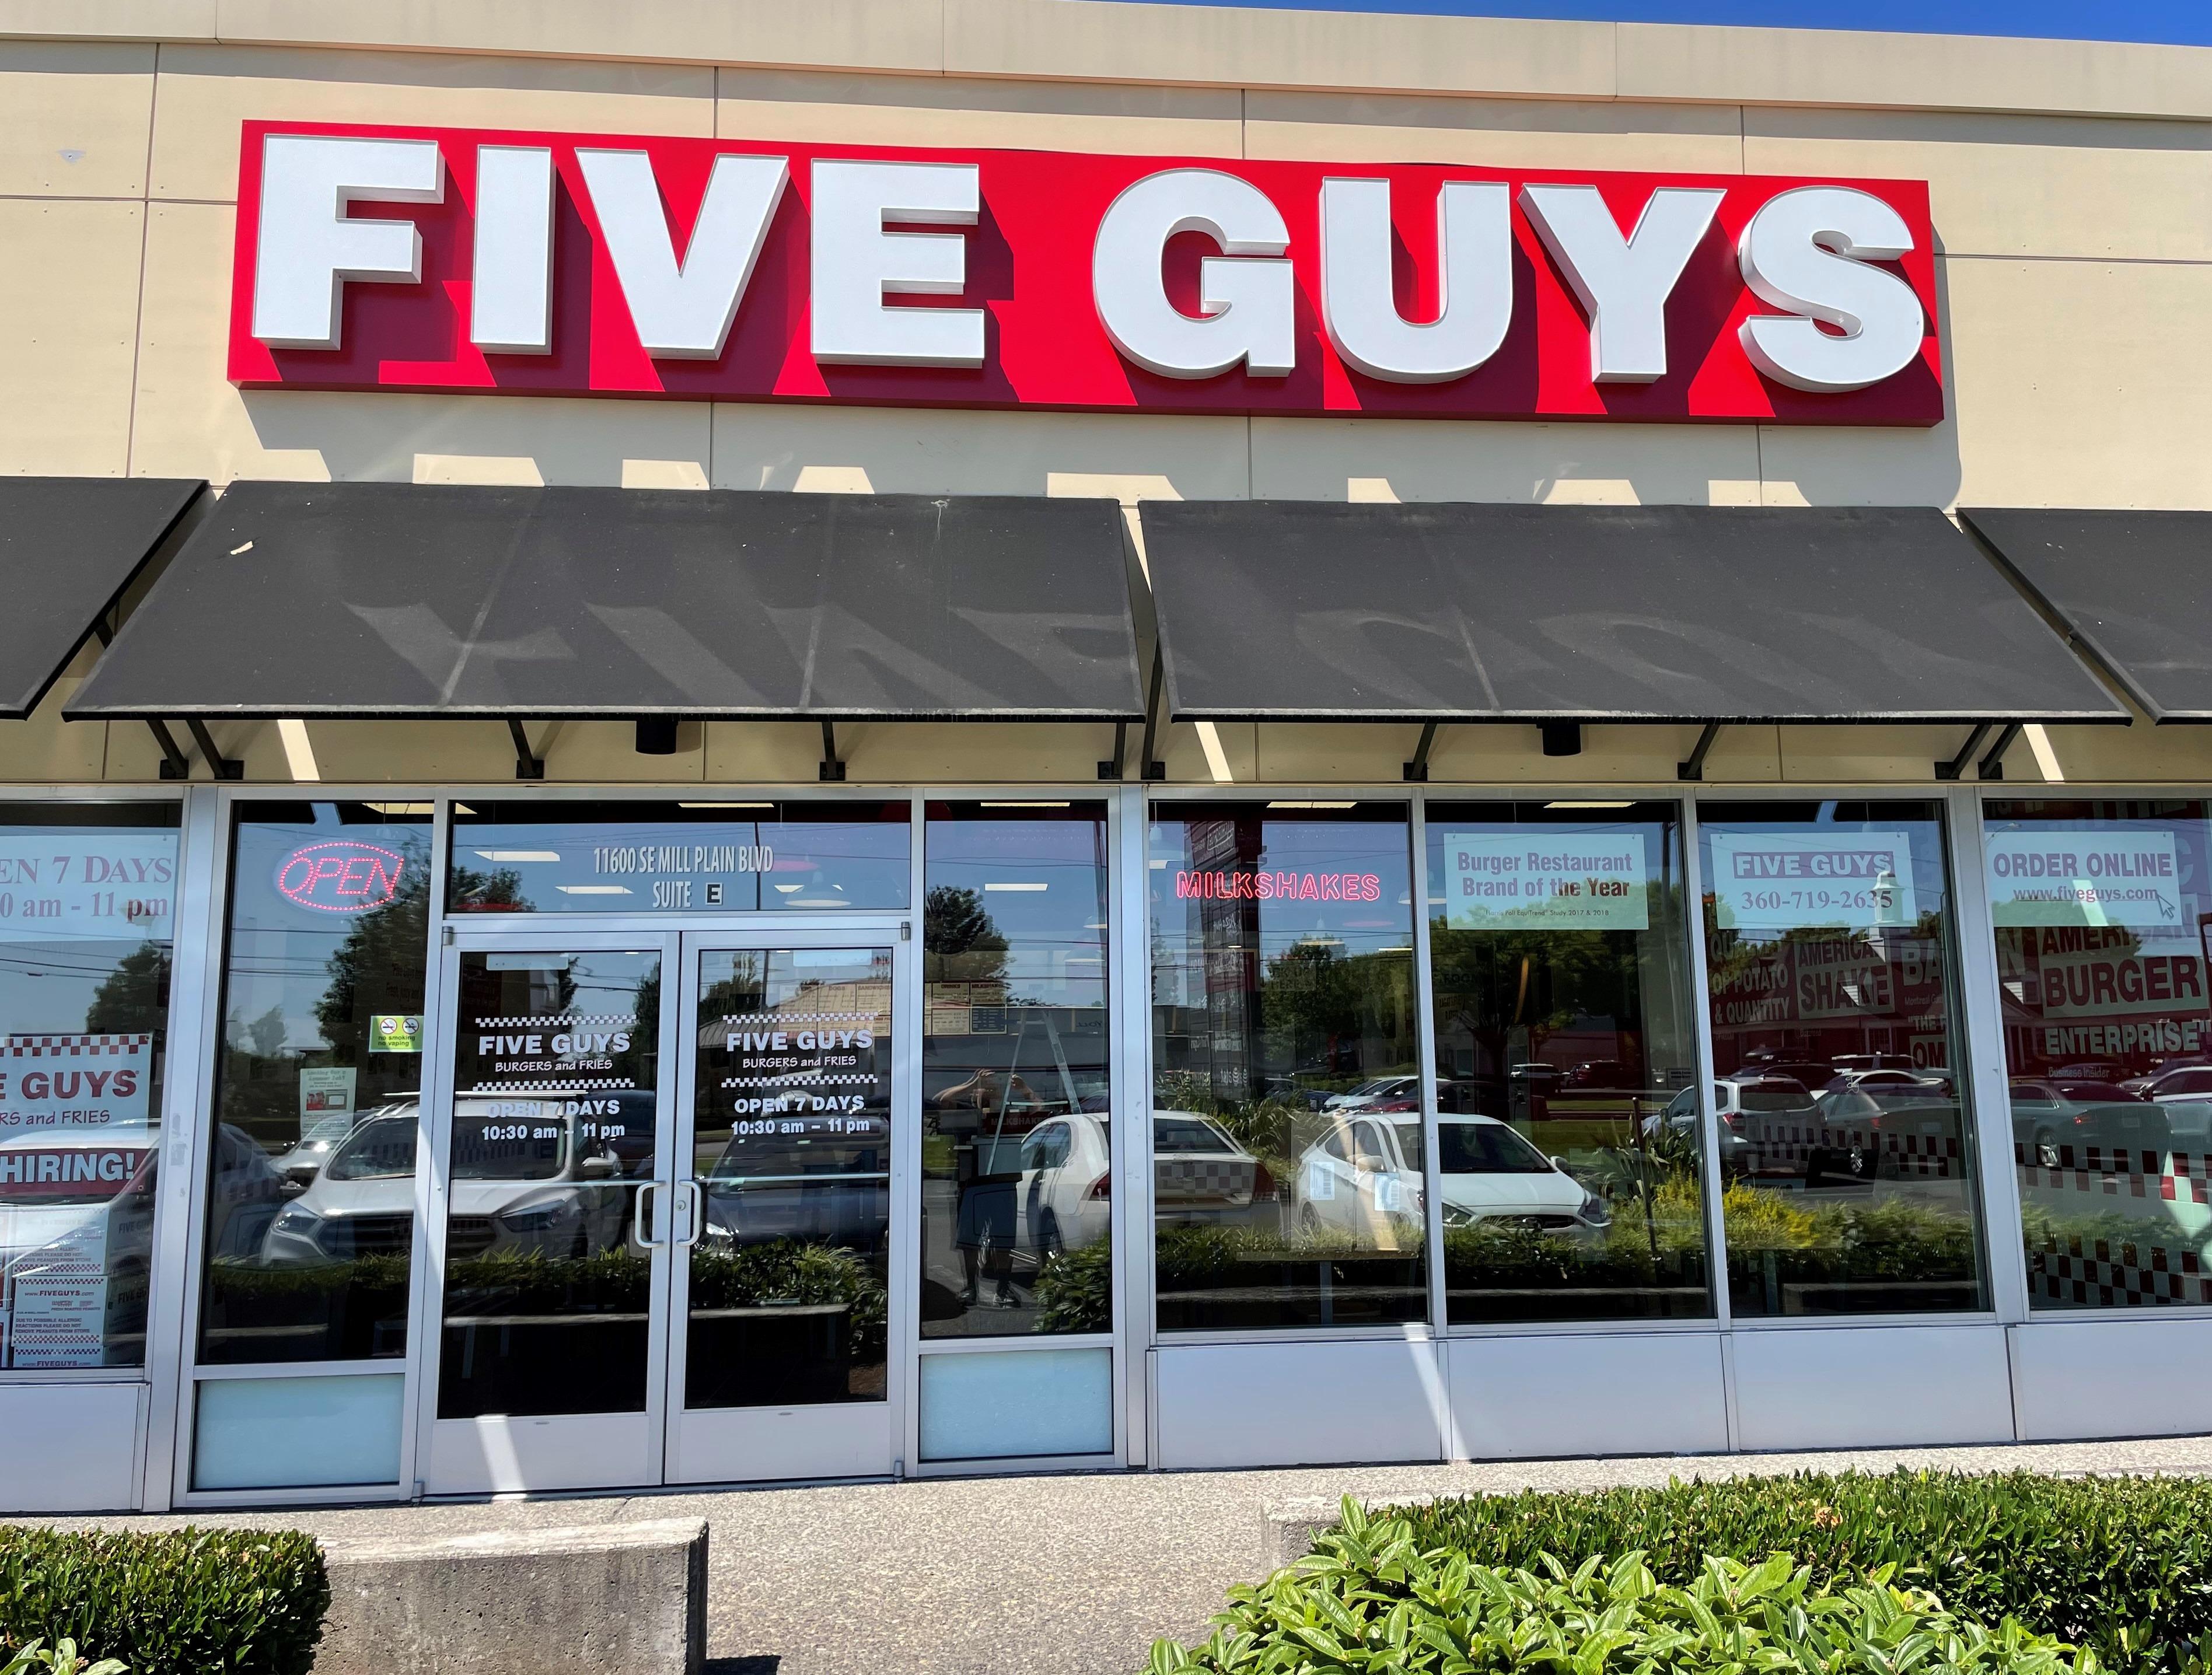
pixel 1246 292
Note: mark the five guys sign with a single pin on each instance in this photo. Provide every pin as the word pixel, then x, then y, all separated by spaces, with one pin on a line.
pixel 561 265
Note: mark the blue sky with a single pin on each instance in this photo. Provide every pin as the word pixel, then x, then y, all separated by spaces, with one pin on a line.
pixel 2183 23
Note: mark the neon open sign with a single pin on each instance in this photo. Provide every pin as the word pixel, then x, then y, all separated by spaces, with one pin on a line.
pixel 341 877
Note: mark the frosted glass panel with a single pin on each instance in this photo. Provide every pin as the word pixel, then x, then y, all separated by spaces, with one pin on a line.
pixel 297 1433
pixel 1024 1402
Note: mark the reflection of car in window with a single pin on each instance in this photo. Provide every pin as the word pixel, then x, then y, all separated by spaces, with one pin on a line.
pixel 821 1179
pixel 1363 1171
pixel 1378 1091
pixel 1200 1175
pixel 2059 1122
pixel 525 1178
pixel 1065 1199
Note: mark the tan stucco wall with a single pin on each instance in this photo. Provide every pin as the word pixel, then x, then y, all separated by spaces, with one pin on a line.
pixel 2071 186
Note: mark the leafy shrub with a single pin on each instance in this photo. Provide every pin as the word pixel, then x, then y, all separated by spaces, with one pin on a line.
pixel 1075 1290
pixel 187 1602
pixel 63 1660
pixel 1371 1599
pixel 2121 1566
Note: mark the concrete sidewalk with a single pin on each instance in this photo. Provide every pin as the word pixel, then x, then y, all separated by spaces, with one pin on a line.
pixel 1060 1575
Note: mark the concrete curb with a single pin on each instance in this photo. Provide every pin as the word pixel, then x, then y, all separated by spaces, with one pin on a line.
pixel 520 1602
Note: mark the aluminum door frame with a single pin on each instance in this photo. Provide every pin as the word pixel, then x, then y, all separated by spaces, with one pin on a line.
pixel 826 1441
pixel 500 1453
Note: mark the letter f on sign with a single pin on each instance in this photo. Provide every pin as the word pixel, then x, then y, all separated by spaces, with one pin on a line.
pixel 306 249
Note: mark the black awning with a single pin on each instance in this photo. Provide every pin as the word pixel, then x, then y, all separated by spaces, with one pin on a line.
pixel 2134 590
pixel 69 548
pixel 1455 612
pixel 369 600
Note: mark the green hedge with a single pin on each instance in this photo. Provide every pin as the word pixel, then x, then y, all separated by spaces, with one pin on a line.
pixel 187 1602
pixel 2120 1565
pixel 1371 1600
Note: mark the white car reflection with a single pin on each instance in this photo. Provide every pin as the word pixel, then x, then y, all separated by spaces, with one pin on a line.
pixel 1361 1172
pixel 520 1183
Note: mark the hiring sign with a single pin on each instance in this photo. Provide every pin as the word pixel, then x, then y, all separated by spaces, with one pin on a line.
pixel 1544 881
pixel 1785 881
pixel 719 270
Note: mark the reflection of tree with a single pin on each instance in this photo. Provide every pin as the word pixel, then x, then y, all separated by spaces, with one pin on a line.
pixel 959 939
pixel 130 999
pixel 642 1062
pixel 1314 1003
pixel 1494 984
pixel 383 953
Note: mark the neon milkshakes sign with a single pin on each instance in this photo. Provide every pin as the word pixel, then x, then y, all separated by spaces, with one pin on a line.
pixel 726 270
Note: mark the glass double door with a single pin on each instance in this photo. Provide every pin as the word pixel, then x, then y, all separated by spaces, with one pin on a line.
pixel 667 1208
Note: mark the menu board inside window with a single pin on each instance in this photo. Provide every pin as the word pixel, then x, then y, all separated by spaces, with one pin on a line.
pixel 86 902
pixel 708 856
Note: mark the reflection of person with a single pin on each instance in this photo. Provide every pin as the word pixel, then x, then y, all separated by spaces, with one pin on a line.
pixel 986 1237
pixel 981 1092
pixel 985 1230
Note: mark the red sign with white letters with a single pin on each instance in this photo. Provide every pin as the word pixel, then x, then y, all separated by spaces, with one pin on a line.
pixel 1028 261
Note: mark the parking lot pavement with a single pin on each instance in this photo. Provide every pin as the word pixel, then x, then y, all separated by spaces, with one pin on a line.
pixel 1072 1575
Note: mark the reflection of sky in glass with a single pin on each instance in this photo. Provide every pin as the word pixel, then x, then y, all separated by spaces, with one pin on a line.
pixel 667 858
pixel 48 987
pixel 280 952
pixel 1195 839
pixel 1043 883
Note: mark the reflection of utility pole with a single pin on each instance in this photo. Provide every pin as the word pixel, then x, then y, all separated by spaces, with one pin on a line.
pixel 1644 1178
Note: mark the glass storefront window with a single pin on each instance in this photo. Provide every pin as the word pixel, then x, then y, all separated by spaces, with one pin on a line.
pixel 790 1277
pixel 1839 1053
pixel 2103 916
pixel 311 1198
pixel 1016 1149
pixel 663 857
pixel 548 1295
pixel 1568 1124
pixel 1286 1137
pixel 87 902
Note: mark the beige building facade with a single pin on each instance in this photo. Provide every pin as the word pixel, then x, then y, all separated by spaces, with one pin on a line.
pixel 2070 194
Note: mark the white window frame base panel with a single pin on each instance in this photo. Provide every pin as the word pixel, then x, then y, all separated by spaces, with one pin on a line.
pixel 1306 1404
pixel 502 1454
pixel 1871 1388
pixel 1541 1398
pixel 87 1455
pixel 2078 1379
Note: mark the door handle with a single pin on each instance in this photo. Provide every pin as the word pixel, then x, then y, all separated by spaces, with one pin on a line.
pixel 644 1228
pixel 695 1195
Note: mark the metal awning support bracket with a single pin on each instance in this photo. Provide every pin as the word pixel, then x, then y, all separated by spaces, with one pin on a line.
pixel 832 766
pixel 1992 766
pixel 175 764
pixel 1112 770
pixel 1154 768
pixel 528 765
pixel 1957 765
pixel 1694 769
pixel 223 768
pixel 1417 771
